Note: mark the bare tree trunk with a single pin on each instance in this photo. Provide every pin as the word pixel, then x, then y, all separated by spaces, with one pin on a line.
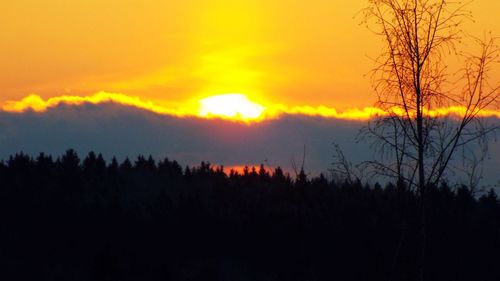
pixel 423 236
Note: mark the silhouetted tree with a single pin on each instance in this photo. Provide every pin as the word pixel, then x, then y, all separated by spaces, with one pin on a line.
pixel 417 143
pixel 410 78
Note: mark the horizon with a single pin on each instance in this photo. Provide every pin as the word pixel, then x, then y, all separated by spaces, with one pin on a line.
pixel 121 130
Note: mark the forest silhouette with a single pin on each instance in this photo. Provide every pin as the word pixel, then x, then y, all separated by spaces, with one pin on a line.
pixel 68 218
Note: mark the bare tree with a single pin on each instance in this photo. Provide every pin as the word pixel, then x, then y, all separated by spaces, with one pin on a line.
pixel 430 121
pixel 428 118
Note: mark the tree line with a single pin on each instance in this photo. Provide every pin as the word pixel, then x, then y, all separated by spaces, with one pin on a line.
pixel 68 218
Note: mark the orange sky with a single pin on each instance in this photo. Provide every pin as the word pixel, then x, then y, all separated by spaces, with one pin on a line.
pixel 296 53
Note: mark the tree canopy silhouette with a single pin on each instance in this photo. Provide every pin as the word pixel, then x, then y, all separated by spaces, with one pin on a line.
pixel 68 218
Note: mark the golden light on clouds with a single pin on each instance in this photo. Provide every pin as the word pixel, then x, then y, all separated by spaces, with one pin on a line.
pixel 38 104
pixel 233 107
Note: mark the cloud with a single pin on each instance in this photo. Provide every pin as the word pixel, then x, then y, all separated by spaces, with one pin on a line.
pixel 128 131
pixel 229 106
pixel 118 130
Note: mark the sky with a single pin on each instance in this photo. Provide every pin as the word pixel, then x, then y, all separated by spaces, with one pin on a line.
pixel 173 53
pixel 130 77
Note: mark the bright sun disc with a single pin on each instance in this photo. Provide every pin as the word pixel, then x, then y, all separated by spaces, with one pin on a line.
pixel 230 106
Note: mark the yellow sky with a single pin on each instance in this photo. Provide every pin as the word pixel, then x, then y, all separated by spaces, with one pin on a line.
pixel 291 52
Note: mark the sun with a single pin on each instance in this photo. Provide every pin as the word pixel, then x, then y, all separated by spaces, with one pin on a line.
pixel 230 106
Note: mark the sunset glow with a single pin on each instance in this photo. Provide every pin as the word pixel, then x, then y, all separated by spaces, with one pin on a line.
pixel 234 107
pixel 173 51
pixel 230 106
pixel 250 139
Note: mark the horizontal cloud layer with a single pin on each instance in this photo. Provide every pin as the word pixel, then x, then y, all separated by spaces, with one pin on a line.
pixel 118 130
pixel 195 109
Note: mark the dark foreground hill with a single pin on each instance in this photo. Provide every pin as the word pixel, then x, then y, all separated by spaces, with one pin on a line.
pixel 66 219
